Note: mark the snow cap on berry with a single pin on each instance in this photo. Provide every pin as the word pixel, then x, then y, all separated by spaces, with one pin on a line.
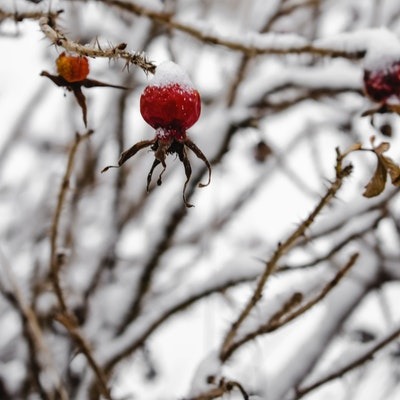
pixel 168 73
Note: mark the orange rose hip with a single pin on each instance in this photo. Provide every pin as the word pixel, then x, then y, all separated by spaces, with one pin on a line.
pixel 72 68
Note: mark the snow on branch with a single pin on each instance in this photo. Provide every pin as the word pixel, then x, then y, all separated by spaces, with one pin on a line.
pixel 382 47
pixel 135 335
pixel 252 44
pixel 48 27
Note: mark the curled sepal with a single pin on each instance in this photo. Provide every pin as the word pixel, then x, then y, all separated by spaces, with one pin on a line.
pixel 81 99
pixel 188 172
pixel 76 86
pixel 202 157
pixel 126 155
pixel 89 83
pixel 150 174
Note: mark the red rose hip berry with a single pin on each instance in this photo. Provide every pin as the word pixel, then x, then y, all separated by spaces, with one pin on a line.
pixel 171 105
pixel 170 109
pixel 381 84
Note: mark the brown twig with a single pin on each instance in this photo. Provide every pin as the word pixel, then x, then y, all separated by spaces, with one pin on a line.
pixel 224 386
pixel 283 248
pixel 54 256
pixel 48 27
pixel 368 355
pixel 336 248
pixel 65 317
pixel 69 322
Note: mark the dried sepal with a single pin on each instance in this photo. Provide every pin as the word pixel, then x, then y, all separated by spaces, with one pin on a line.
pixel 90 83
pixel 81 99
pixel 126 155
pixel 76 86
pixel 202 157
pixel 188 172
pixel 150 174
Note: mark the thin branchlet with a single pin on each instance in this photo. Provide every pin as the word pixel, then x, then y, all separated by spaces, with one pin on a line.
pixel 65 316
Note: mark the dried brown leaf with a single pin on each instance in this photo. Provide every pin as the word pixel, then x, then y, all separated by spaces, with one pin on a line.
pixel 378 181
pixel 393 170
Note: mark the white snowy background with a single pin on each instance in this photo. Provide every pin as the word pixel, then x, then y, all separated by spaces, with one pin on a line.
pixel 237 221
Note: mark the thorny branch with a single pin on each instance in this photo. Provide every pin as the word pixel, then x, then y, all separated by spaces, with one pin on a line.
pixel 292 309
pixel 49 28
pixel 284 247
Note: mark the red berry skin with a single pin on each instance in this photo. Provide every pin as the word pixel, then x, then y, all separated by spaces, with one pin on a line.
pixel 172 109
pixel 381 84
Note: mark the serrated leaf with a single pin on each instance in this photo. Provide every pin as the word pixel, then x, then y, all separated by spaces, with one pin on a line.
pixel 378 181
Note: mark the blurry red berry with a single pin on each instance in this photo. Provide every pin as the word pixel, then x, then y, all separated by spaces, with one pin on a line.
pixel 72 68
pixel 381 84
